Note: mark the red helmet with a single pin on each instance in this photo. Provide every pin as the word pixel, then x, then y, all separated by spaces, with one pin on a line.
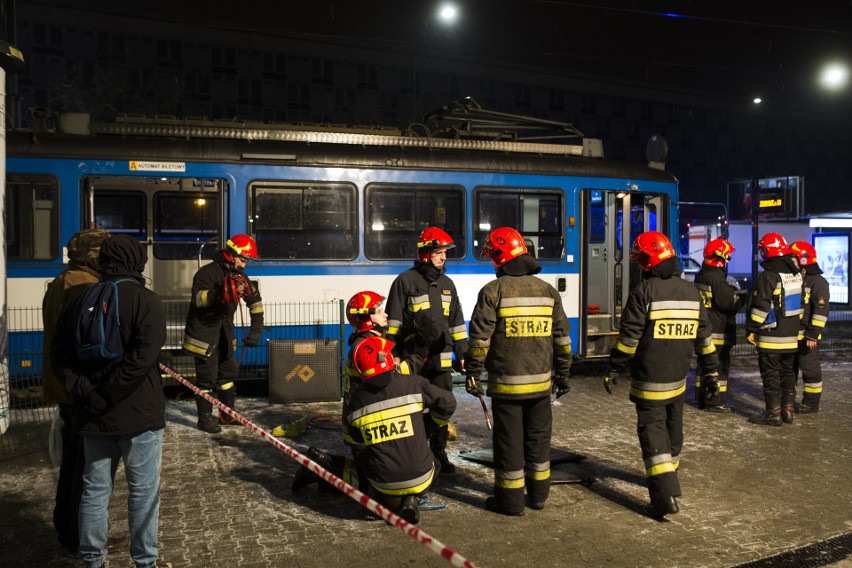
pixel 805 252
pixel 430 239
pixel 240 245
pixel 373 357
pixel 360 307
pixel 504 244
pixel 718 252
pixel 650 249
pixel 772 244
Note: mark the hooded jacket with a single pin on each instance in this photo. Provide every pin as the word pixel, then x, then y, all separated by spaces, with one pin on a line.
pixel 130 386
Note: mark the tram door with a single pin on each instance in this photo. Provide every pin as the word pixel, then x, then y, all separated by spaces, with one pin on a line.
pixel 611 221
pixel 179 220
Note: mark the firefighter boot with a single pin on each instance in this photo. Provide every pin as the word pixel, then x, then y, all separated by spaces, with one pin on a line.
pixel 228 398
pixel 663 506
pixel 409 509
pixel 305 476
pixel 206 420
pixel 700 395
pixel 438 443
pixel 767 417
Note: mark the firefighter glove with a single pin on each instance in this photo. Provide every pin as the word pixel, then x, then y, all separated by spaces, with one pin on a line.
pixel 473 387
pixel 750 338
pixel 252 339
pixel 710 382
pixel 561 386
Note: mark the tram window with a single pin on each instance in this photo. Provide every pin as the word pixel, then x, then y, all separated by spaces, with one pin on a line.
pixel 536 213
pixel 302 220
pixel 397 214
pixel 184 221
pixel 32 217
pixel 121 212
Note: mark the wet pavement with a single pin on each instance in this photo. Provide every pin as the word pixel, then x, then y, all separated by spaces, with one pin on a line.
pixel 749 492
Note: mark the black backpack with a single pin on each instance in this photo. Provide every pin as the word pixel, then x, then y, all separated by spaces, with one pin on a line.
pixel 97 331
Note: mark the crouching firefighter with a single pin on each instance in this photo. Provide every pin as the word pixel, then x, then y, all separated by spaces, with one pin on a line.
pixel 385 415
pixel 209 337
pixel 663 321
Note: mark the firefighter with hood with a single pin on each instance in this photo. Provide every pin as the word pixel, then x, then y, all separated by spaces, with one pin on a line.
pixel 775 311
pixel 519 335
pixel 423 308
pixel 722 303
pixel 386 416
pixel 209 337
pixel 663 322
pixel 815 299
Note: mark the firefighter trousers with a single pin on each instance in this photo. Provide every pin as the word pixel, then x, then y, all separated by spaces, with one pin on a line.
pixel 808 361
pixel 779 378
pixel 218 369
pixel 660 430
pixel 521 439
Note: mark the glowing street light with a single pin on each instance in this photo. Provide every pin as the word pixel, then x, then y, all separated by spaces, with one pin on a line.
pixel 834 76
pixel 757 100
pixel 448 13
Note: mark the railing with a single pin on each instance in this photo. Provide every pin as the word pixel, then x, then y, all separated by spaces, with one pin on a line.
pixel 836 337
pixel 30 417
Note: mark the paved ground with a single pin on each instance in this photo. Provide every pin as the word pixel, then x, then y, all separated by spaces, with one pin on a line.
pixel 749 492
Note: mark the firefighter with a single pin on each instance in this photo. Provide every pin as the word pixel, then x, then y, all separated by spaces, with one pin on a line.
pixel 815 299
pixel 217 289
pixel 365 314
pixel 775 310
pixel 385 415
pixel 663 322
pixel 423 306
pixel 519 335
pixel 722 303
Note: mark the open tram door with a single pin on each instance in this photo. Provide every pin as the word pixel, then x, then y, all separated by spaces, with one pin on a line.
pixel 180 220
pixel 611 221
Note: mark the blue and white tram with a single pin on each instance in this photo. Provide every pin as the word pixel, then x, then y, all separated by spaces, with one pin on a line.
pixel 333 212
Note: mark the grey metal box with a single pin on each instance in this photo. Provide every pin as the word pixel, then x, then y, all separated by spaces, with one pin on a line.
pixel 304 370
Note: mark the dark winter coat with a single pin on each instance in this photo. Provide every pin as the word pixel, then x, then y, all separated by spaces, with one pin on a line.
pixel 775 308
pixel 816 303
pixel 125 397
pixel 722 303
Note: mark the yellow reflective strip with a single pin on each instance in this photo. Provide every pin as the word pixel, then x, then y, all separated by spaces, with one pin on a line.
pixel 770 345
pixel 509 483
pixel 194 349
pixel 674 314
pixel 659 469
pixel 439 421
pixel 539 475
pixel 756 318
pixel 707 349
pixel 393 331
pixel 479 351
pixel 657 395
pixel 502 388
pixel 408 490
pixel 625 348
pixel 562 349
pixel 418 307
pixel 526 311
pixel 812 389
pixel 817 323
pixel 404 368
pixel 404 410
pixel 459 336
pixel 226 386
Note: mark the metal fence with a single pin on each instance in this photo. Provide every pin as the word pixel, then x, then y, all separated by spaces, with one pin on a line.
pixel 836 337
pixel 30 417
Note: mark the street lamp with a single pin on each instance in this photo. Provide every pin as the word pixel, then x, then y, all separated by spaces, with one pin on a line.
pixel 834 76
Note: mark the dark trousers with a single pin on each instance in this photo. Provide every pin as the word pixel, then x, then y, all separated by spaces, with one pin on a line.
pixel 808 361
pixel 70 485
pixel 521 438
pixel 779 378
pixel 441 379
pixel 660 430
pixel 219 369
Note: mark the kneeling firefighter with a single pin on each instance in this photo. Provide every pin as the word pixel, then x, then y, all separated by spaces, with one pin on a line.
pixel 217 289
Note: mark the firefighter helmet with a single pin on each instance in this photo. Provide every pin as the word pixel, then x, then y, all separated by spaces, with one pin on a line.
pixel 502 245
pixel 771 245
pixel 718 253
pixel 650 249
pixel 806 253
pixel 360 307
pixel 431 239
pixel 242 246
pixel 373 356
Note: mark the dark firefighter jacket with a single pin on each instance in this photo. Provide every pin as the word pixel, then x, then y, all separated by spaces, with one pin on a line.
pixel 775 307
pixel 131 385
pixel 519 334
pixel 423 307
pixel 722 303
pixel 815 301
pixel 208 313
pixel 386 417
pixel 663 322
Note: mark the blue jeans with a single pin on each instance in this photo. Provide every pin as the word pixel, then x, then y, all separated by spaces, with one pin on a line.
pixel 142 455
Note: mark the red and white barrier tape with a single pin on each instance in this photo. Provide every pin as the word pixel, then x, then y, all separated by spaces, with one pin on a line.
pixel 417 534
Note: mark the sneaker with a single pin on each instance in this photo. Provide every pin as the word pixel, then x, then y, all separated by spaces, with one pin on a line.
pixel 767 418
